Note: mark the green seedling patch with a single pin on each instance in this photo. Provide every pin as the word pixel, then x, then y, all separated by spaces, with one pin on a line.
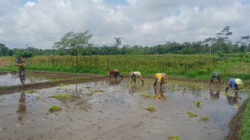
pixel 191 115
pixel 61 85
pixel 54 108
pixel 198 103
pixel 61 96
pixel 204 117
pixel 227 94
pixel 146 95
pixel 30 91
pixel 173 138
pixel 150 108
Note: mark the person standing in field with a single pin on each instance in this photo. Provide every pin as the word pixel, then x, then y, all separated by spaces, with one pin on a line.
pixel 21 68
pixel 115 73
pixel 235 84
pixel 160 77
pixel 217 76
pixel 136 74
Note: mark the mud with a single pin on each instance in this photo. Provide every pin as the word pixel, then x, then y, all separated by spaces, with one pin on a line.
pixel 9 82
pixel 111 110
pixel 234 124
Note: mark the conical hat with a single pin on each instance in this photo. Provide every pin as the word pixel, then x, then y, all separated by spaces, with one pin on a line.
pixel 238 81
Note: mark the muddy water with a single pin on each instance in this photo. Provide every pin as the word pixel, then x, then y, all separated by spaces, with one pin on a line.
pixel 112 110
pixel 13 79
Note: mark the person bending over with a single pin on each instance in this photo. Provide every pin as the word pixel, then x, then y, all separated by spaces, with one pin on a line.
pixel 159 78
pixel 136 74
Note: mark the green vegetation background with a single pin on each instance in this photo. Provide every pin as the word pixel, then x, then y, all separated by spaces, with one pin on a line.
pixel 244 132
pixel 190 66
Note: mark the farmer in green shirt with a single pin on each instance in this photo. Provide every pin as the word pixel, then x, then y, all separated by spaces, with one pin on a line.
pixel 21 68
pixel 134 75
pixel 215 75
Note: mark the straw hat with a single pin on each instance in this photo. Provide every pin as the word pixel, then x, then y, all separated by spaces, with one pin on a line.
pixel 238 81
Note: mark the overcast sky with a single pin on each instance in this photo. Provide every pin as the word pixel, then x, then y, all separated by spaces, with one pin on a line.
pixel 40 23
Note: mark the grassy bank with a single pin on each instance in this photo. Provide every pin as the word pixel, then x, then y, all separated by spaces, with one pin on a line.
pixel 244 132
pixel 190 66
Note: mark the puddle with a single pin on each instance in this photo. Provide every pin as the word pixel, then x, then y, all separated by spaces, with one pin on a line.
pixel 11 79
pixel 114 111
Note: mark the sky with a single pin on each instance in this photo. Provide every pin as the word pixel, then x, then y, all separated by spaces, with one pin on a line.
pixel 40 23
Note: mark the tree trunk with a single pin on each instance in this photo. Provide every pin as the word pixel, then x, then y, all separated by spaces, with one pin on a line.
pixel 210 50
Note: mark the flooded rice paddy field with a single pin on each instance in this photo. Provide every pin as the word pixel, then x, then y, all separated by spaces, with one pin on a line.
pixel 12 79
pixel 111 110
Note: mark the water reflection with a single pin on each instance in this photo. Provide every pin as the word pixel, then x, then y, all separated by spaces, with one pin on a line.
pixel 159 95
pixel 114 81
pixel 214 91
pixel 76 100
pixel 22 106
pixel 75 91
pixel 232 100
pixel 135 87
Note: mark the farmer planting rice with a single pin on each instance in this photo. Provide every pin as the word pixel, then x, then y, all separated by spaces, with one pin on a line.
pixel 217 76
pixel 115 73
pixel 235 84
pixel 134 75
pixel 160 77
pixel 21 68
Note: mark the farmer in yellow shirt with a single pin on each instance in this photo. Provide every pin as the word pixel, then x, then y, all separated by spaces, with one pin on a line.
pixel 134 75
pixel 160 77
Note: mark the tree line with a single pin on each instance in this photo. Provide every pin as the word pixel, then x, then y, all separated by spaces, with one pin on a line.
pixel 78 44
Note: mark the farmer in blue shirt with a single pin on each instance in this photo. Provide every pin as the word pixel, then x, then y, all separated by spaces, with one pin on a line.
pixel 234 83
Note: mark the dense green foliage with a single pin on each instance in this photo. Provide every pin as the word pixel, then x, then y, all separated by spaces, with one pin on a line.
pixel 168 48
pixel 192 66
pixel 244 132
pixel 5 51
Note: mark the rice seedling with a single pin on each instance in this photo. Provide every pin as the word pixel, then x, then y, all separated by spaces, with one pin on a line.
pixel 204 118
pixel 191 115
pixel 54 108
pixel 227 94
pixel 150 108
pixel 198 103
pixel 146 95
pixel 30 91
pixel 61 96
pixel 61 84
pixel 173 138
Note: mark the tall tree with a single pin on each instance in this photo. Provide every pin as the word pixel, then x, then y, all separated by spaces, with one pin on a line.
pixel 74 41
pixel 223 35
pixel 118 42
pixel 3 50
pixel 209 42
pixel 245 41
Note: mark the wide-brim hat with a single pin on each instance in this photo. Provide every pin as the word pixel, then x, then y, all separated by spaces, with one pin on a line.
pixel 238 81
